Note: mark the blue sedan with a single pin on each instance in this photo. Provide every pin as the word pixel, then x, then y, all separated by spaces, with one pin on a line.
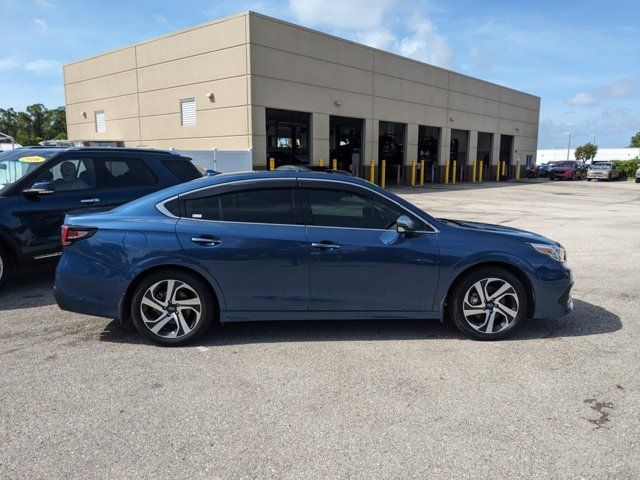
pixel 301 246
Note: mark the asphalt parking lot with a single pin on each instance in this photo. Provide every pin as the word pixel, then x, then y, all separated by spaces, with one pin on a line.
pixel 383 399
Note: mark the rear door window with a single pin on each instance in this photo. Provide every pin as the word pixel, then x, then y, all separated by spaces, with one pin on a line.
pixel 272 206
pixel 183 170
pixel 125 173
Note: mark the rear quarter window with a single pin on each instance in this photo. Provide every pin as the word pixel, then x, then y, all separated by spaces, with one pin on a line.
pixel 183 170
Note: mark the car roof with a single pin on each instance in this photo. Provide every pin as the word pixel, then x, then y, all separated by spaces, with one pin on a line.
pixel 102 149
pixel 224 178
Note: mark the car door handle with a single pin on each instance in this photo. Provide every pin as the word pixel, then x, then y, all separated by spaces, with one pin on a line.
pixel 326 246
pixel 207 241
pixel 90 200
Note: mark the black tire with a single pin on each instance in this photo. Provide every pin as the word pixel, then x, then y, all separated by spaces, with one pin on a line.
pixel 516 296
pixel 4 267
pixel 637 180
pixel 589 179
pixel 192 289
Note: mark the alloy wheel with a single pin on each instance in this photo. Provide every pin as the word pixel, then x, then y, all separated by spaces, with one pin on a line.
pixel 490 305
pixel 170 308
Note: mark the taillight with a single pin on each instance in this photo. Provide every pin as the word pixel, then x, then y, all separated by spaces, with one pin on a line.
pixel 71 234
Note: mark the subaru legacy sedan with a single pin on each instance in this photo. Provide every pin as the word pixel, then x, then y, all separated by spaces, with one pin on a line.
pixel 301 246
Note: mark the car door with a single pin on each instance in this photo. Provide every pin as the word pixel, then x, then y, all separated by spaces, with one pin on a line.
pixel 251 238
pixel 40 217
pixel 358 260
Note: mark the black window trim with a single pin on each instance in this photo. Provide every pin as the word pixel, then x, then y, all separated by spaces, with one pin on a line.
pixel 297 184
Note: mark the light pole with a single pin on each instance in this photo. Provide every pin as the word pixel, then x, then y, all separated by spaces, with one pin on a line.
pixel 593 141
pixel 568 144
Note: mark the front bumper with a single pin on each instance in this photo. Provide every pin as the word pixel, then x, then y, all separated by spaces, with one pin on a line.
pixel 553 291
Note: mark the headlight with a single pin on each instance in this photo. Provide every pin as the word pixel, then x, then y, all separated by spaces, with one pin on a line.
pixel 554 251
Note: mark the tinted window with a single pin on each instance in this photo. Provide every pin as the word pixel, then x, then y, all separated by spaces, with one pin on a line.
pixel 125 173
pixel 73 174
pixel 183 170
pixel 343 208
pixel 206 208
pixel 249 206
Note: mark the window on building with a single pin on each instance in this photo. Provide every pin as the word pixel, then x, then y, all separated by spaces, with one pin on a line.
pixel 101 124
pixel 188 111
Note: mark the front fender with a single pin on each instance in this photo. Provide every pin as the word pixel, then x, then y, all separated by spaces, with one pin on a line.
pixel 454 267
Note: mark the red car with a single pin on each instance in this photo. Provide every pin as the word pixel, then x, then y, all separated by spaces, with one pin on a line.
pixel 568 170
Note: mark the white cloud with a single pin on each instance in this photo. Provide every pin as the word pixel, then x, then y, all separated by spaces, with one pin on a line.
pixel 425 43
pixel 379 24
pixel 45 3
pixel 41 24
pixel 621 89
pixel 42 66
pixel 8 64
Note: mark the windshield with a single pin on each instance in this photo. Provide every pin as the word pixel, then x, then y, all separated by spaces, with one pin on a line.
pixel 601 166
pixel 15 164
pixel 564 164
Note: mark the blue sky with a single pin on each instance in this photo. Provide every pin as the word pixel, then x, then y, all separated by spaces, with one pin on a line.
pixel 581 57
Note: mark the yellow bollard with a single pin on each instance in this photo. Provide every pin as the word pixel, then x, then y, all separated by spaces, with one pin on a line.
pixel 504 168
pixel 321 162
pixel 334 164
pixel 446 172
pixel 422 167
pixel 518 171
pixel 372 172
pixel 453 172
pixel 272 163
pixel 383 173
pixel 413 173
pixel 473 172
pixel 498 172
pixel 480 165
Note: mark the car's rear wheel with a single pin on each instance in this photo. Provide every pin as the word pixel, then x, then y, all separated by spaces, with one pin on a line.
pixel 489 304
pixel 4 267
pixel 172 308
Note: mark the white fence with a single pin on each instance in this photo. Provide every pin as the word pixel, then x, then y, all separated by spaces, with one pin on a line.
pixel 221 161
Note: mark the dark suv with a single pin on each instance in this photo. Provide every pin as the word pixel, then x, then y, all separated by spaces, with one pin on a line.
pixel 39 186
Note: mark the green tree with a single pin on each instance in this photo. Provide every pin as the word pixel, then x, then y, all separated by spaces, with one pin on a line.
pixel 586 152
pixel 635 141
pixel 35 124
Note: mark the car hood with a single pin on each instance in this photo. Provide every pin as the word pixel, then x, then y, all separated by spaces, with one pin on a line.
pixel 515 233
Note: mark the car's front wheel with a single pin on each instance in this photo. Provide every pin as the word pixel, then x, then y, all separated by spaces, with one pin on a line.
pixel 489 304
pixel 172 308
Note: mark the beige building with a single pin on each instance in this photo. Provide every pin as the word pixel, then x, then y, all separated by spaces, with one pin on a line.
pixel 251 82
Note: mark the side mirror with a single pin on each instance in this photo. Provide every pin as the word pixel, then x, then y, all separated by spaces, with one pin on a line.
pixel 405 225
pixel 40 188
